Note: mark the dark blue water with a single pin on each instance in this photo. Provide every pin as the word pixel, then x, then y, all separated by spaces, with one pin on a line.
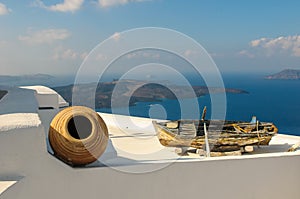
pixel 276 101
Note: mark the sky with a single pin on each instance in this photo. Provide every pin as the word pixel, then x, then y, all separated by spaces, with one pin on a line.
pixel 54 37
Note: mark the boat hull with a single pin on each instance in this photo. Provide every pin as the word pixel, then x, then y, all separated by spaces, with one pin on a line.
pixel 226 138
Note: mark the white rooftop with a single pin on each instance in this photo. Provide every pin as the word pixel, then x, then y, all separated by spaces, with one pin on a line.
pixel 27 170
pixel 134 138
pixel 19 121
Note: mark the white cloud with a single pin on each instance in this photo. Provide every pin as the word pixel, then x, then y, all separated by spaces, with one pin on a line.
pixel 74 5
pixel 246 54
pixel 65 6
pixel 61 53
pixel 281 45
pixel 101 57
pixel 191 53
pixel 110 3
pixel 116 36
pixel 84 55
pixel 256 42
pixel 69 54
pixel 296 52
pixel 47 36
pixel 131 55
pixel 4 10
pixel 141 54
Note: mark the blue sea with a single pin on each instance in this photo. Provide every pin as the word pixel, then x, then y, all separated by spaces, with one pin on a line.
pixel 276 101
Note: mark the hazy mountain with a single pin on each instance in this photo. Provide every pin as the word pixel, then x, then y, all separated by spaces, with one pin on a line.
pixel 143 92
pixel 37 79
pixel 285 74
pixel 6 80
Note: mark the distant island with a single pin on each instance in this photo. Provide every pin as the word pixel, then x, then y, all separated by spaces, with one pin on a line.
pixel 8 80
pixel 287 74
pixel 2 93
pixel 143 92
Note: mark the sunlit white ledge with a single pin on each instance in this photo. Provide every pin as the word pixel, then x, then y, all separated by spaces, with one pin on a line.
pixel 135 164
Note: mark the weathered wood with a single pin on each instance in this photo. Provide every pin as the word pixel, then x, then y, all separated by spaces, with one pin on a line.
pixel 226 148
pixel 248 149
pixel 230 153
pixel 168 139
pixel 201 152
pixel 172 125
pixel 294 147
pixel 181 150
pixel 239 136
pixel 203 113
pixel 194 155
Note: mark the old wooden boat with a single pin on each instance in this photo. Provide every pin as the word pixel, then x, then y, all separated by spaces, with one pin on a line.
pixel 220 136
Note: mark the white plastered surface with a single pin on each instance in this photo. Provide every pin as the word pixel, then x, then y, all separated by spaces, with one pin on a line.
pixel 19 121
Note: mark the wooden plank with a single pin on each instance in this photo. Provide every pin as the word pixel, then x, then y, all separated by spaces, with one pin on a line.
pixel 230 153
pixel 294 147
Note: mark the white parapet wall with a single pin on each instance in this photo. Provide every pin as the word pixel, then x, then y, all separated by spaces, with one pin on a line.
pixel 47 98
pixel 43 176
pixel 135 165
